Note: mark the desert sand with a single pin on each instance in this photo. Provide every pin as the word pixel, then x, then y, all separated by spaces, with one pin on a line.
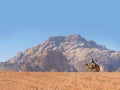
pixel 59 81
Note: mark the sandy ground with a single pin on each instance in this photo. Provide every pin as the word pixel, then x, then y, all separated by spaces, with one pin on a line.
pixel 59 81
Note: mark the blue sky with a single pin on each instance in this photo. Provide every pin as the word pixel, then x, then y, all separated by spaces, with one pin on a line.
pixel 26 23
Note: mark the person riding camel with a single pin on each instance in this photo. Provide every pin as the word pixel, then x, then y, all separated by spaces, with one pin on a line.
pixel 92 66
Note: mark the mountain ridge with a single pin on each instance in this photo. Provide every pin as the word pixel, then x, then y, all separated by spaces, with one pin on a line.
pixel 76 49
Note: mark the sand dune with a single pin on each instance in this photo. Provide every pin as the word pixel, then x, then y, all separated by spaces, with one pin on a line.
pixel 59 81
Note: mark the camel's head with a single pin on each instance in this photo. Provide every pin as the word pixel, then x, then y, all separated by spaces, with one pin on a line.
pixel 86 64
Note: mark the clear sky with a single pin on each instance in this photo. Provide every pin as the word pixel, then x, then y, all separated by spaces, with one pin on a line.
pixel 26 23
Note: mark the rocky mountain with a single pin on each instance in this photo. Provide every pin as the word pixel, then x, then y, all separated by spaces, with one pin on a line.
pixel 63 53
pixel 47 61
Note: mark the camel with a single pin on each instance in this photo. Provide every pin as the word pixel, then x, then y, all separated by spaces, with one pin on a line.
pixel 94 68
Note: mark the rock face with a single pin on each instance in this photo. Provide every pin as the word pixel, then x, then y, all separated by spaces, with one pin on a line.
pixel 62 53
pixel 47 61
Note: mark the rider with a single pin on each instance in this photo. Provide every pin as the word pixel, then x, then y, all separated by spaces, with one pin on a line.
pixel 92 65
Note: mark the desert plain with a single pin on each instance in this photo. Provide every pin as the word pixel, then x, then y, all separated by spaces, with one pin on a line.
pixel 59 81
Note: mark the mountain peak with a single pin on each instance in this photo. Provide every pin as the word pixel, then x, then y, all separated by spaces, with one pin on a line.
pixel 75 37
pixel 57 38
